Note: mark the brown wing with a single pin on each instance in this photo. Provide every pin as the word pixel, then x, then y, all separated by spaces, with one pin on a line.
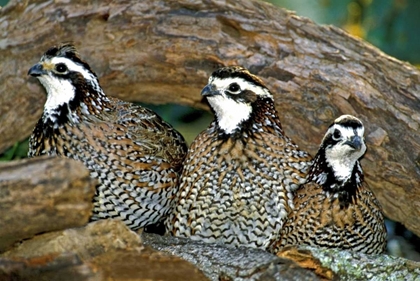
pixel 134 154
pixel 149 132
pixel 319 220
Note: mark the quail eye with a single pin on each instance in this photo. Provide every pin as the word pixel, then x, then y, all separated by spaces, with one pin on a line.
pixel 61 67
pixel 336 135
pixel 234 87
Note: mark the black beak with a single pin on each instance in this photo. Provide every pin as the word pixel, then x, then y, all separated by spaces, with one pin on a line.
pixel 36 70
pixel 209 90
pixel 355 142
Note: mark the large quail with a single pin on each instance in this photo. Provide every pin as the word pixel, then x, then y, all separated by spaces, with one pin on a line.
pixel 133 153
pixel 238 177
pixel 335 208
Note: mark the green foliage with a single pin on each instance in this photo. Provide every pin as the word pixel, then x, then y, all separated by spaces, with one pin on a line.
pixel 3 3
pixel 390 25
pixel 17 151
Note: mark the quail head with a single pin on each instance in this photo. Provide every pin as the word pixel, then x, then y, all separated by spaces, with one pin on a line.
pixel 239 174
pixel 134 154
pixel 335 208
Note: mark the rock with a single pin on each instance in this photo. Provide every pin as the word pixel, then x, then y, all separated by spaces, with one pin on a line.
pixel 349 265
pixel 164 53
pixel 67 267
pixel 219 262
pixel 87 242
pixel 42 194
pixel 102 250
pixel 109 250
pixel 147 264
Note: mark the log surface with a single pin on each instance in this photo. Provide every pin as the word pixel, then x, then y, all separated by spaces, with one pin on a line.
pixel 42 194
pixel 164 51
pixel 104 250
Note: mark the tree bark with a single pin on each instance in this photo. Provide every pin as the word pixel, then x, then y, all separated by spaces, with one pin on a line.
pixel 102 250
pixel 42 194
pixel 164 51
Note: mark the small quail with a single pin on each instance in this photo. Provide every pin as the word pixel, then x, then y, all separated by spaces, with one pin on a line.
pixel 239 174
pixel 134 154
pixel 335 208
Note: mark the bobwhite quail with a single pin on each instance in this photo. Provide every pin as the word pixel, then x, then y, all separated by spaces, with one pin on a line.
pixel 133 153
pixel 239 174
pixel 335 208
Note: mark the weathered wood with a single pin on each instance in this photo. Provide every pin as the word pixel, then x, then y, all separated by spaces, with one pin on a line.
pixel 107 248
pixel 309 263
pixel 65 267
pixel 42 194
pixel 161 52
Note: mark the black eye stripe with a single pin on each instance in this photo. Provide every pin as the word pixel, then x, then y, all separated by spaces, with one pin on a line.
pixel 244 96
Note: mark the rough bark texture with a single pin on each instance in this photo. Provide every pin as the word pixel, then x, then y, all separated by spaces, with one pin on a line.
pixel 102 250
pixel 42 194
pixel 220 262
pixel 108 250
pixel 67 267
pixel 303 263
pixel 349 265
pixel 164 51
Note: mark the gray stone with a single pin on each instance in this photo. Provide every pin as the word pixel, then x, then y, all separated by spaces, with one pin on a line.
pixel 357 266
pixel 219 262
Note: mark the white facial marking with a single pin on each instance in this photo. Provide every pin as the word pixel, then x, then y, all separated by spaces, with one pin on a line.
pixel 59 91
pixel 223 85
pixel 73 67
pixel 229 112
pixel 342 157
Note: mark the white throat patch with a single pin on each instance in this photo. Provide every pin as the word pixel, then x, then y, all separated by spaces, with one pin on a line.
pixel 341 157
pixel 59 92
pixel 229 113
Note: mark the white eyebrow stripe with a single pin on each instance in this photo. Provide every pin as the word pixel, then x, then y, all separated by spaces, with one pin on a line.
pixel 223 84
pixel 72 66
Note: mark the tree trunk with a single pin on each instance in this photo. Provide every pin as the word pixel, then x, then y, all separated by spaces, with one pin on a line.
pixel 164 51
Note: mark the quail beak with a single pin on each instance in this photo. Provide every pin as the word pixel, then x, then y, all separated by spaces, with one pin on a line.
pixel 355 142
pixel 209 90
pixel 37 70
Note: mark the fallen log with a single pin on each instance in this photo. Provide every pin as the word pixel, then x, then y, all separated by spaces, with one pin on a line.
pixel 163 52
pixel 42 194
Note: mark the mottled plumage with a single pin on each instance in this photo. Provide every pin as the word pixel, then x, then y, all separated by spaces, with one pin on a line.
pixel 134 154
pixel 238 177
pixel 335 208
